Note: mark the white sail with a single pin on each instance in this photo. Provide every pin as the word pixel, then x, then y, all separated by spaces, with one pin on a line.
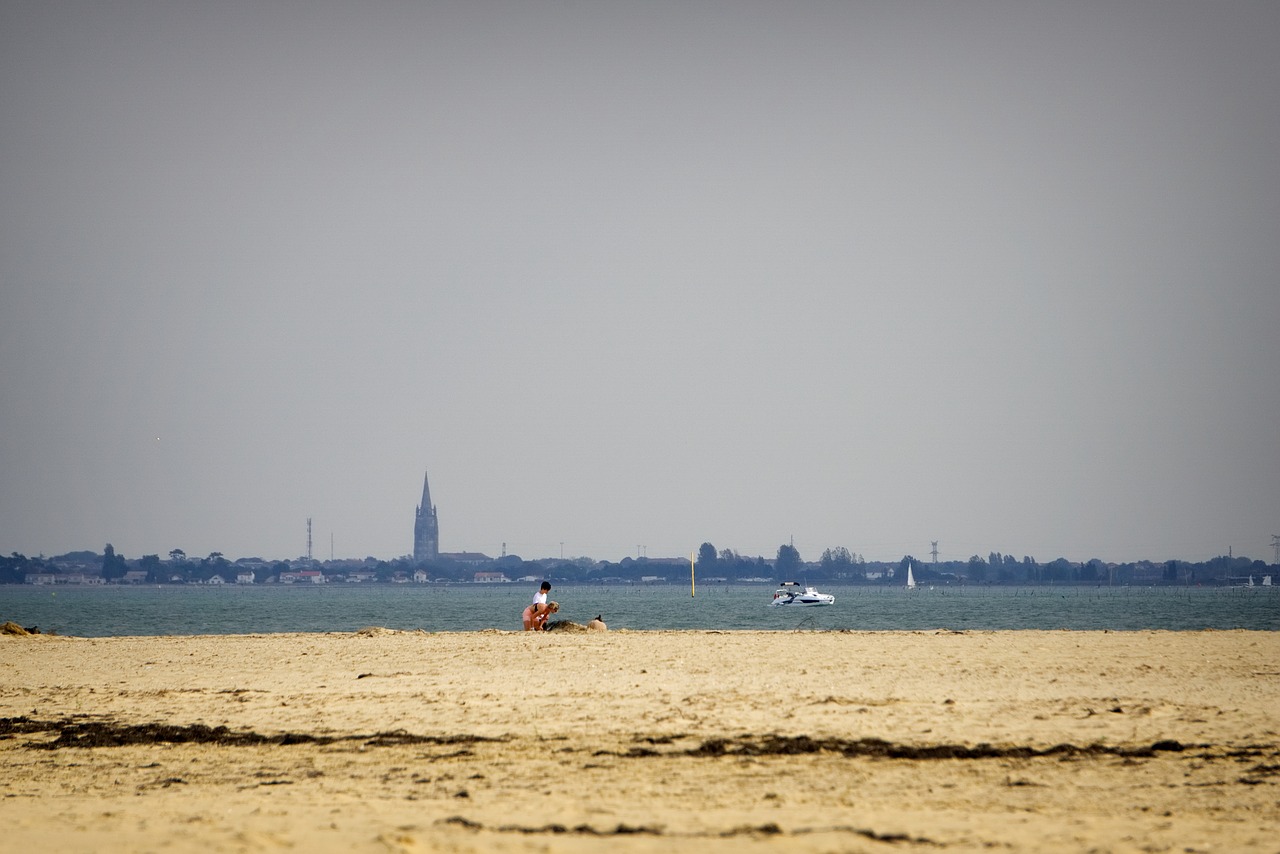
pixel 911 578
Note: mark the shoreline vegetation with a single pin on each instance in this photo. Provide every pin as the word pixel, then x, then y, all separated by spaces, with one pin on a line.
pixel 386 740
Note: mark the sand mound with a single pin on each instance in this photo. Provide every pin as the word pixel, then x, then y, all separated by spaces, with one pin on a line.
pixel 12 628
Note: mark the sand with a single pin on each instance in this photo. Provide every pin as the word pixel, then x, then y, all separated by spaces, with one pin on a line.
pixel 643 741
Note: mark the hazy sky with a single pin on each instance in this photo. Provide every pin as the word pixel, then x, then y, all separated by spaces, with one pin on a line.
pixel 629 277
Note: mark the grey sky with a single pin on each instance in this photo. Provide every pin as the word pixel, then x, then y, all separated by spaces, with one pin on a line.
pixel 622 275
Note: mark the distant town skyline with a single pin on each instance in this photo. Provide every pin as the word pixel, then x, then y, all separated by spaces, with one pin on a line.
pixel 924 558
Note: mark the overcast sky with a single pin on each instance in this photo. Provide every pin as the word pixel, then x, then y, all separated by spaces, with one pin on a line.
pixel 628 277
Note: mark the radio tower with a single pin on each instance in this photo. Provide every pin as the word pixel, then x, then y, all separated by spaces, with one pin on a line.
pixel 308 539
pixel 935 550
pixel 1275 544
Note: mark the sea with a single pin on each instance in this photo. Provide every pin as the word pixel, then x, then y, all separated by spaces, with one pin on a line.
pixel 267 609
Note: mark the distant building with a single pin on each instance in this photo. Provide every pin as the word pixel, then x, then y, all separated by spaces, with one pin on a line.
pixel 82 578
pixel 466 557
pixel 303 576
pixel 491 578
pixel 426 528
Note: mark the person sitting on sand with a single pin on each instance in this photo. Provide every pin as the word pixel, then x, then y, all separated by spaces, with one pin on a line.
pixel 535 616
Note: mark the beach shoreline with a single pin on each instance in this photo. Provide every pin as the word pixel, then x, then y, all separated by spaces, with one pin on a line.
pixel 657 740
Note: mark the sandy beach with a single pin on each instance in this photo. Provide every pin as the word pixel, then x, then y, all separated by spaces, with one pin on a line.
pixel 643 741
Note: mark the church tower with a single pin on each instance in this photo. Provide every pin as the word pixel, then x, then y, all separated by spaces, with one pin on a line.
pixel 426 528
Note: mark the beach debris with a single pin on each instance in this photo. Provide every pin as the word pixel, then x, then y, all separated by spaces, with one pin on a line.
pixel 12 628
pixel 597 625
pixel 774 744
pixel 564 626
pixel 80 734
pixel 557 829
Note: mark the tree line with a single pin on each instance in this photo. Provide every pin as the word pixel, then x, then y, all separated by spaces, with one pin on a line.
pixel 835 565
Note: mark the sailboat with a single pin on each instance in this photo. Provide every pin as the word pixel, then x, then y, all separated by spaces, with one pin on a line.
pixel 911 578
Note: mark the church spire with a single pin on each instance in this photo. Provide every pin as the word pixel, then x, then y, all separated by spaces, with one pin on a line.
pixel 426 528
pixel 426 493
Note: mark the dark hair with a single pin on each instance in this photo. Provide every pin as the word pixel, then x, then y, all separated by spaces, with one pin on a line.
pixel 546 585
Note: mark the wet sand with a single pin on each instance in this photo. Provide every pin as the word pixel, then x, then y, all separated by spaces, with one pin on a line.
pixel 643 741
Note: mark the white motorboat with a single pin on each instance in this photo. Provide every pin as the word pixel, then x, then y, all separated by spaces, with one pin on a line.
pixel 793 594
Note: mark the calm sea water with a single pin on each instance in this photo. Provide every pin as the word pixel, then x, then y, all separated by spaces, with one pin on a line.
pixel 109 611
